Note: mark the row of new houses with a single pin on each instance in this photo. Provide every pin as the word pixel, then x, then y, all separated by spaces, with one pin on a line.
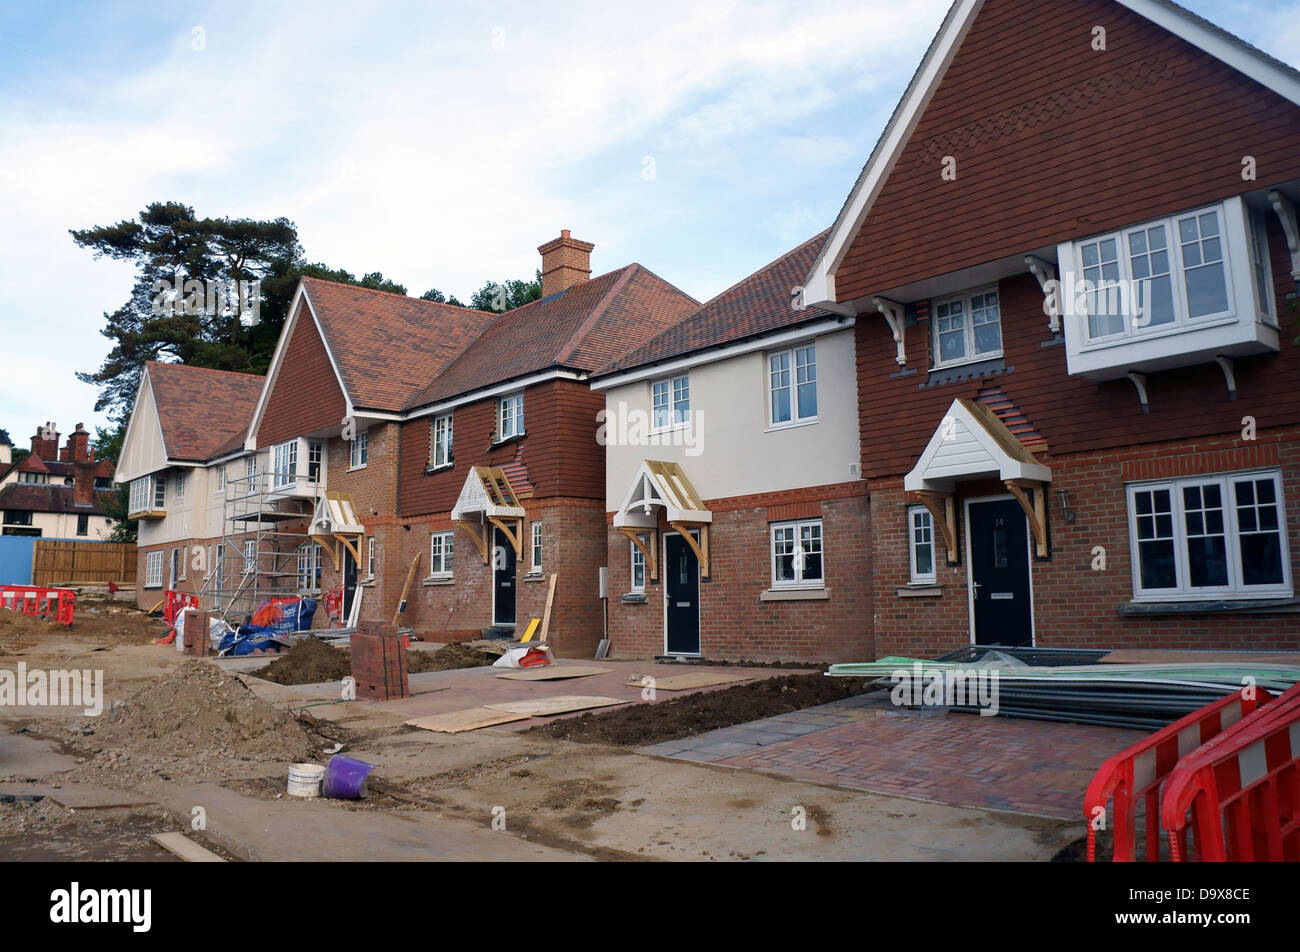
pixel 913 432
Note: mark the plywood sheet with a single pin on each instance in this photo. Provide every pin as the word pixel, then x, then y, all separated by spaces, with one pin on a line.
pixel 186 849
pixel 686 682
pixel 560 704
pixel 95 798
pixel 472 718
pixel 554 672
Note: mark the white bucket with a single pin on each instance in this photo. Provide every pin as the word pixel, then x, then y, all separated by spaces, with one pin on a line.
pixel 305 780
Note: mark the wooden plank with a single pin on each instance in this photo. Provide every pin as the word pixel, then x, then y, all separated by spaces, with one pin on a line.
pixel 470 719
pixel 554 672
pixel 687 682
pixel 560 704
pixel 546 615
pixel 186 849
pixel 406 590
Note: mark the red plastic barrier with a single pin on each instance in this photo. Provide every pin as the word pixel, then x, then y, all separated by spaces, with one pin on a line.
pixel 1242 790
pixel 55 604
pixel 175 602
pixel 1139 771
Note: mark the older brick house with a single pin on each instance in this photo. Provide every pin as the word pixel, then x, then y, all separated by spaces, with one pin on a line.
pixel 1060 463
pixel 738 525
pixel 502 480
pixel 56 493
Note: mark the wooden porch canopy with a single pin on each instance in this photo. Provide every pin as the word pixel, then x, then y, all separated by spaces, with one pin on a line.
pixel 663 485
pixel 335 524
pixel 972 443
pixel 486 500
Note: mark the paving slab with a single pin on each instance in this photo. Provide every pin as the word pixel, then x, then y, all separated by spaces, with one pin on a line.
pixel 88 797
pixel 22 756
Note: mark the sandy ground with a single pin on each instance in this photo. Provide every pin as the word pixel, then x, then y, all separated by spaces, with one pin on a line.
pixel 488 794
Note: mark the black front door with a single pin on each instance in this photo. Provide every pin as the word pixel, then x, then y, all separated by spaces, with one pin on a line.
pixel 999 569
pixel 349 582
pixel 682 591
pixel 503 579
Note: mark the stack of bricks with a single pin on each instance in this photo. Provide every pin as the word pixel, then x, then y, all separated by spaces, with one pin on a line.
pixel 195 633
pixel 379 662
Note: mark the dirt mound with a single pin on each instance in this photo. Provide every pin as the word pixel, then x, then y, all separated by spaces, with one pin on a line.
pixel 312 661
pixel 642 724
pixel 447 658
pixel 199 710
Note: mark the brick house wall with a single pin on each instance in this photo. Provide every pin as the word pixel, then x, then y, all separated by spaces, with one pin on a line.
pixel 735 624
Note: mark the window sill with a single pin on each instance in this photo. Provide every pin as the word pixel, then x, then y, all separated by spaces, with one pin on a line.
pixel 795 595
pixel 920 590
pixel 447 580
pixel 507 441
pixel 1281 604
pixel 353 469
pixel 633 598
pixel 430 470
pixel 534 577
pixel 1172 330
pixel 778 427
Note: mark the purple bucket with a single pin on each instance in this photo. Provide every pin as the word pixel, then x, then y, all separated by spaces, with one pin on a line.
pixel 345 778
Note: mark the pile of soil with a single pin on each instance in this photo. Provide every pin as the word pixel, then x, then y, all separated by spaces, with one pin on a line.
pixel 312 661
pixel 200 711
pixel 102 620
pixel 643 724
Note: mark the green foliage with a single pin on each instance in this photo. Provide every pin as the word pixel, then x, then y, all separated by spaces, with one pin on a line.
pixel 433 294
pixel 507 296
pixel 107 444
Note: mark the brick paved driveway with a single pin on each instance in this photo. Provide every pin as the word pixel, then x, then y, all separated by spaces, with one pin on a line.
pixel 865 743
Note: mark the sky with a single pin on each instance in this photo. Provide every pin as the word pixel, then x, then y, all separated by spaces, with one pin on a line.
pixel 440 142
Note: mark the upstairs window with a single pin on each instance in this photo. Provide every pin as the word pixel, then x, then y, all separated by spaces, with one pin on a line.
pixel 792 385
pixel 360 451
pixel 1209 537
pixel 221 479
pixel 160 492
pixel 440 450
pixel 967 328
pixel 140 489
pixel 510 416
pixel 180 485
pixel 315 460
pixel 670 401
pixel 285 463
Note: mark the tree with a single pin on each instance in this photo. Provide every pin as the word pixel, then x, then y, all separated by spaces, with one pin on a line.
pixel 176 252
pixel 507 296
pixel 433 294
pixel 107 444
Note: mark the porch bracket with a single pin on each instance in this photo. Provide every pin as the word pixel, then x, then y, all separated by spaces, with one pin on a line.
pixel 1035 510
pixel 1229 375
pixel 649 548
pixel 700 548
pixel 943 509
pixel 1140 382
pixel 516 537
pixel 356 553
pixel 894 314
pixel 330 544
pixel 1046 275
pixel 478 532
pixel 1286 212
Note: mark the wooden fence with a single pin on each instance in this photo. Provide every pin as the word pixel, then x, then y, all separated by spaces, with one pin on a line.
pixel 83 563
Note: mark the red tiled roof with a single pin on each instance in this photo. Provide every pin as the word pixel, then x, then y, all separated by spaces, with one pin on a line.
pixel 759 304
pixel 204 413
pixel 580 328
pixel 388 346
pixel 32 497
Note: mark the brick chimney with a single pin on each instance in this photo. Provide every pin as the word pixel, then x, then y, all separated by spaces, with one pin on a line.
pixel 565 262
pixel 78 446
pixel 83 485
pixel 46 449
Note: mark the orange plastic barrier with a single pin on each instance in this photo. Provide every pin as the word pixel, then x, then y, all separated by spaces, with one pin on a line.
pixel 1139 771
pixel 175 602
pixel 55 604
pixel 1242 790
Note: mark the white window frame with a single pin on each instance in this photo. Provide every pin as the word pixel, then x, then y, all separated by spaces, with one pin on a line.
pixel 1236 587
pixel 536 540
pixel 315 460
pixel 798 526
pixel 510 416
pixel 792 372
pixel 180 485
pixel 219 481
pixel 637 560
pixel 442 555
pixel 966 300
pixel 309 563
pixel 914 543
pixel 1182 321
pixel 160 493
pixel 140 489
pixel 284 464
pixel 250 556
pixel 676 402
pixel 370 558
pixel 153 569
pixel 1262 267
pixel 440 441
pixel 359 451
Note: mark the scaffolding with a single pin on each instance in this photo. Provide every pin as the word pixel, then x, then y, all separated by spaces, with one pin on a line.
pixel 260 556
